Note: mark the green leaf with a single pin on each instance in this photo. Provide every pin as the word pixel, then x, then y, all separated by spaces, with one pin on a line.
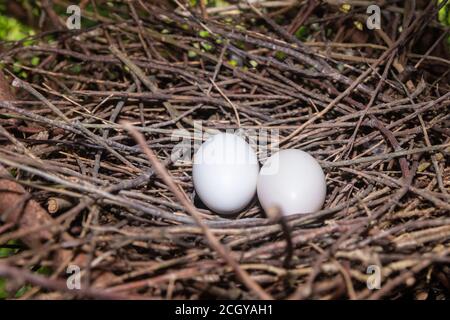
pixel 203 34
pixel 35 61
pixel 280 55
pixel 234 63
pixel 6 252
pixel 76 69
pixel 45 271
pixel 253 63
pixel 207 46
pixel 16 67
pixel 443 14
pixel 221 3
pixel 3 292
pixel 302 33
pixel 22 291
pixel 13 30
pixel 192 54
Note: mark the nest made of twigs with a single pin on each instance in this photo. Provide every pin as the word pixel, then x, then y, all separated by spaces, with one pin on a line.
pixel 79 188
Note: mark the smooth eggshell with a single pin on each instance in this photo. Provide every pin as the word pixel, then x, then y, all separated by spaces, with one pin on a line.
pixel 225 172
pixel 293 181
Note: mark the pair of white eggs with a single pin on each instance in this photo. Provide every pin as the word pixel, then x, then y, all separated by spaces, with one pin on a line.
pixel 226 177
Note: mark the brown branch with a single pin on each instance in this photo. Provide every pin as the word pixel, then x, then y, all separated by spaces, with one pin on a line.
pixel 215 244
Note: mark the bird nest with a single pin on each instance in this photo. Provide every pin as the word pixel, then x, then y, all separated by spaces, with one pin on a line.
pixel 98 127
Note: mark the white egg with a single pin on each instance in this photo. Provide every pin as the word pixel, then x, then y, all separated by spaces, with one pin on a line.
pixel 225 172
pixel 293 181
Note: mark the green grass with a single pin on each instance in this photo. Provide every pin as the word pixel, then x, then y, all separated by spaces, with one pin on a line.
pixel 7 252
pixel 4 253
pixel 13 30
pixel 444 16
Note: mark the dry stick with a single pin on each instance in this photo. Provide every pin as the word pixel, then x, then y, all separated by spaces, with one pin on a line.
pixel 189 14
pixel 19 145
pixel 349 146
pixel 388 181
pixel 112 119
pixel 239 6
pixel 48 7
pixel 268 239
pixel 203 9
pixel 178 98
pixel 428 143
pixel 81 79
pixel 274 214
pixel 26 276
pixel 443 99
pixel 426 194
pixel 70 215
pixel 287 232
pixel 431 48
pixel 213 241
pixel 417 238
pixel 402 228
pixel 158 96
pixel 24 85
pixel 290 50
pixel 233 106
pixel 433 157
pixel 121 201
pixel 90 188
pixel 174 114
pixel 383 130
pixel 355 83
pixel 102 142
pixel 302 16
pixel 218 66
pixel 134 68
pixel 216 72
pixel 75 128
pixel 291 38
pixel 402 278
pixel 139 24
pixel 6 95
pixel 357 229
pixel 23 211
pixel 55 204
pixel 388 156
pixel 145 80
